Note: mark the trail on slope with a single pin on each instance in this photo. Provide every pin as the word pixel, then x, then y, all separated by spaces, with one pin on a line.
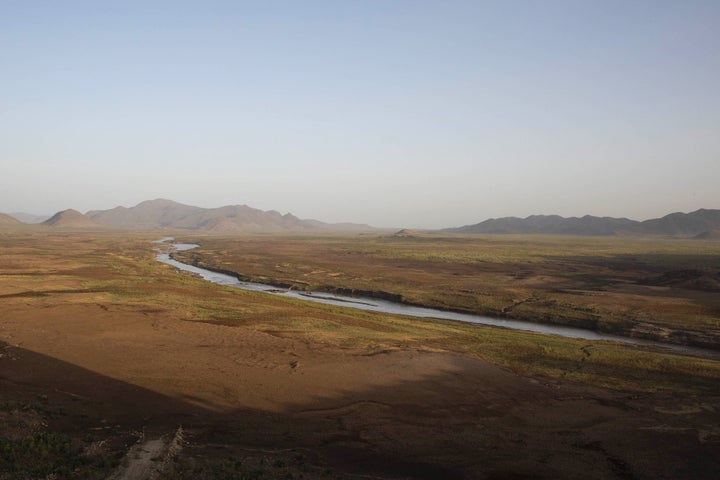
pixel 147 459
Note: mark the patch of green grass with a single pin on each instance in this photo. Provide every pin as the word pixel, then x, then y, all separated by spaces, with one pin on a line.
pixel 39 456
pixel 153 287
pixel 602 283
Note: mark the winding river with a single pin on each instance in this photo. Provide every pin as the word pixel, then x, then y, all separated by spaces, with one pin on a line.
pixel 385 306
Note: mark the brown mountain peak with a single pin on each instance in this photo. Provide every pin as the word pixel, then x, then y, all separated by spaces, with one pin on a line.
pixel 70 218
pixel 8 220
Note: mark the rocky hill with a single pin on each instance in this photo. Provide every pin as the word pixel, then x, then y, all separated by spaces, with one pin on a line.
pixel 674 224
pixel 70 219
pixel 162 213
pixel 549 224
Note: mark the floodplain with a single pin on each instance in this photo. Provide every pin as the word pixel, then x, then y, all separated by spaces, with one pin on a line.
pixel 104 350
pixel 659 288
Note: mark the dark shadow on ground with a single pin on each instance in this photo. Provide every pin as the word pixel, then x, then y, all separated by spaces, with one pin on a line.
pixel 476 421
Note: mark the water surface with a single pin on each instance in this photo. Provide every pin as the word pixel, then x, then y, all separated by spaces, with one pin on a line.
pixel 386 306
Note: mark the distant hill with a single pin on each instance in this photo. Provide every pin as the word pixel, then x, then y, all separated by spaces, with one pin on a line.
pixel 549 224
pixel 405 233
pixel 29 217
pixel 713 234
pixel 685 224
pixel 674 224
pixel 162 213
pixel 7 220
pixel 71 219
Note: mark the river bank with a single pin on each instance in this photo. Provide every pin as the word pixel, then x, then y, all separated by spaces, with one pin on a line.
pixel 667 290
pixel 101 346
pixel 390 303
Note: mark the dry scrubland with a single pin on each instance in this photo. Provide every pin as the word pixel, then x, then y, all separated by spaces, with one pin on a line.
pixel 664 289
pixel 101 347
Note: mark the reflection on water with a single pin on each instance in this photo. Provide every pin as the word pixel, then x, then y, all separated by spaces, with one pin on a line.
pixel 385 306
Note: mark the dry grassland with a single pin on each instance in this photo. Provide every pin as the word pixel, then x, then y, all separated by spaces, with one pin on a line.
pixel 664 289
pixel 102 347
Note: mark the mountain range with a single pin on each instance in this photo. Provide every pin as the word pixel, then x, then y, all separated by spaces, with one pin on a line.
pixel 162 213
pixel 701 223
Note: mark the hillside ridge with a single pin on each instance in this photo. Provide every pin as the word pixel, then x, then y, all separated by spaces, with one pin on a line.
pixel 164 213
pixel 70 218
pixel 6 219
pixel 693 224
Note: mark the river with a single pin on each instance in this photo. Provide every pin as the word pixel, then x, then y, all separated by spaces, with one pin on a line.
pixel 385 306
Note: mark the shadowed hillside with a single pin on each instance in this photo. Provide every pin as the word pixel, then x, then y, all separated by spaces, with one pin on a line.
pixel 674 224
pixel 713 234
pixel 694 223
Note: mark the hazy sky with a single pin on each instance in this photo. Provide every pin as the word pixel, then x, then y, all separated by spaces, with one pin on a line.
pixel 393 113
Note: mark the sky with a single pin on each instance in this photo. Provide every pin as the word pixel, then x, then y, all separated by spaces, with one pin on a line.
pixel 395 113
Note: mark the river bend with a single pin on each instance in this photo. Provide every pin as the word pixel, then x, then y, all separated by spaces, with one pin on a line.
pixel 385 306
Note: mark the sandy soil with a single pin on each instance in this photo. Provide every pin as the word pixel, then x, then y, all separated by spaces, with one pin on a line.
pixel 405 414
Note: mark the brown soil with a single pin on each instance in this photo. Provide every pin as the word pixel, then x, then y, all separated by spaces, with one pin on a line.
pixel 407 413
pixel 87 356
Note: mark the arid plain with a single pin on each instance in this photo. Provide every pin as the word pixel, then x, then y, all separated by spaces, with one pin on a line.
pixel 105 350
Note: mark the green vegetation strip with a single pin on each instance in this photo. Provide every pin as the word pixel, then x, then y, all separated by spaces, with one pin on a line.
pixel 663 289
pixel 121 271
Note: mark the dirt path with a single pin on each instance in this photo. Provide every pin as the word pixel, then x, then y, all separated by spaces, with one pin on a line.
pixel 143 461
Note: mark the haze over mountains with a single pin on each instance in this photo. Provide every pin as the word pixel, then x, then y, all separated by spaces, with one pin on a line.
pixel 72 219
pixel 161 213
pixel 8 220
pixel 698 223
pixel 168 214
pixel 29 217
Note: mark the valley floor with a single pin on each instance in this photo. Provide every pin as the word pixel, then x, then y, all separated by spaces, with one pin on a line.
pixel 664 289
pixel 104 352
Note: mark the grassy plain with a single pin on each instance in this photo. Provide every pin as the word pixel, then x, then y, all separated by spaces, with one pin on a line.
pixel 665 289
pixel 101 347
